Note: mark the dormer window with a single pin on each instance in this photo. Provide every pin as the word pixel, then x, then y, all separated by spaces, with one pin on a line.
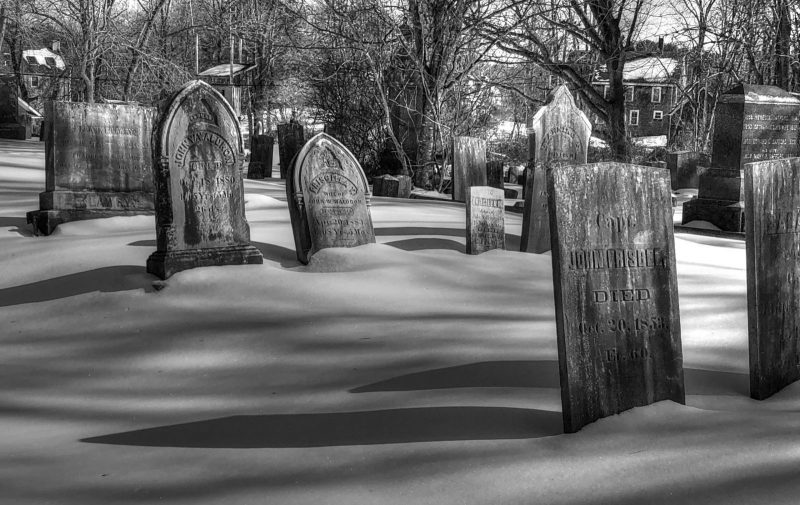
pixel 32 60
pixel 50 61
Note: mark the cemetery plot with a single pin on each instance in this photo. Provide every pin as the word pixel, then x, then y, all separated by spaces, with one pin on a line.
pixel 485 219
pixel 615 286
pixel 772 206
pixel 328 198
pixel 200 217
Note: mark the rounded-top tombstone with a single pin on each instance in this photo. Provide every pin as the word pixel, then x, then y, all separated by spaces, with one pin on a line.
pixel 198 155
pixel 328 198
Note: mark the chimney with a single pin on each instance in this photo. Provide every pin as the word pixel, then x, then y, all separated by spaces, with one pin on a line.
pixel 56 46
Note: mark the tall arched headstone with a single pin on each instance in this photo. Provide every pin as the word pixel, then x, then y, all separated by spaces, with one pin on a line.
pixel 197 162
pixel 328 198
pixel 560 136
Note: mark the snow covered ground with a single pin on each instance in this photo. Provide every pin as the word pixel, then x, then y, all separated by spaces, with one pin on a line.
pixel 396 373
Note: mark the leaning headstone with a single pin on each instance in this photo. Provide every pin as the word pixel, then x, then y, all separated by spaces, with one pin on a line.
pixel 98 163
pixel 260 166
pixel 290 141
pixel 616 292
pixel 494 174
pixel 11 124
pixel 485 219
pixel 772 205
pixel 560 136
pixel 469 165
pixel 328 198
pixel 752 123
pixel 394 186
pixel 200 219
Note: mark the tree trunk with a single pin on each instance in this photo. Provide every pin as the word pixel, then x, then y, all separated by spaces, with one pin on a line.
pixel 616 111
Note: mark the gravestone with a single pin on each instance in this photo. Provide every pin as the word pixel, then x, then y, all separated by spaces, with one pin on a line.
pixel 98 163
pixel 328 198
pixel 394 186
pixel 485 219
pixel 11 123
pixel 685 168
pixel 494 174
pixel 290 141
pixel 469 165
pixel 752 123
pixel 260 166
pixel 772 204
pixel 200 219
pixel 560 136
pixel 616 292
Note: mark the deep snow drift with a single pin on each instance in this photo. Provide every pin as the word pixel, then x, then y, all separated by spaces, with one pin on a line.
pixel 401 372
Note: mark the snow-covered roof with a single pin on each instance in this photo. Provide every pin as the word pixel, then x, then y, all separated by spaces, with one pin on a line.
pixel 41 57
pixel 648 69
pixel 225 69
pixel 23 105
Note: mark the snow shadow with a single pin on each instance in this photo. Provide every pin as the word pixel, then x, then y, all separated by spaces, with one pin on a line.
pixel 712 382
pixel 424 243
pixel 486 374
pixel 107 279
pixel 417 230
pixel 20 223
pixel 393 426
pixel 283 255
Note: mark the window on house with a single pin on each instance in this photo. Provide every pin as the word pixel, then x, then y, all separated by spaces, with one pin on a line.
pixel 34 81
pixel 629 94
pixel 658 115
pixel 655 94
pixel 51 62
pixel 634 118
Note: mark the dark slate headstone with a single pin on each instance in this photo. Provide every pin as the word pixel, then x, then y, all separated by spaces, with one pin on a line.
pixel 616 292
pixel 290 141
pixel 393 186
pixel 752 123
pixel 12 125
pixel 494 174
pixel 560 136
pixel 772 205
pixel 485 219
pixel 469 165
pixel 200 219
pixel 328 198
pixel 98 163
pixel 260 166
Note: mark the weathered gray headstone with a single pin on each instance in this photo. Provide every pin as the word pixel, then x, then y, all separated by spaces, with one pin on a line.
pixel 772 205
pixel 752 123
pixel 12 125
pixel 290 141
pixel 469 165
pixel 200 219
pixel 98 163
pixel 394 186
pixel 494 174
pixel 260 165
pixel 485 219
pixel 560 136
pixel 616 292
pixel 328 198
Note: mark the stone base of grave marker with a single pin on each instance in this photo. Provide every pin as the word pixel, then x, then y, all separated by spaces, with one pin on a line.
pixel 260 165
pixel 15 131
pixel 719 200
pixel 165 264
pixel 44 222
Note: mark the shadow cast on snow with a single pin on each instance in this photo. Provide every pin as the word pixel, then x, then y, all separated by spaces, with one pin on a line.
pixel 22 226
pixel 394 426
pixel 283 255
pixel 107 279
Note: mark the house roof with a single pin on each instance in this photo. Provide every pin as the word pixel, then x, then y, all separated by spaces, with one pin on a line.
pixel 647 69
pixel 225 69
pixel 23 105
pixel 41 56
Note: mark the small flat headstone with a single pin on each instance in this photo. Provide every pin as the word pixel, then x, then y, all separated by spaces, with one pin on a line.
pixel 328 198
pixel 469 165
pixel 560 136
pixel 290 141
pixel 200 219
pixel 616 291
pixel 772 206
pixel 260 165
pixel 485 219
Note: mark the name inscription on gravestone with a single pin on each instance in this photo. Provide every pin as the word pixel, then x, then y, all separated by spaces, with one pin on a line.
pixel 560 135
pixel 615 289
pixel 485 219
pixel 329 198
pixel 772 206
